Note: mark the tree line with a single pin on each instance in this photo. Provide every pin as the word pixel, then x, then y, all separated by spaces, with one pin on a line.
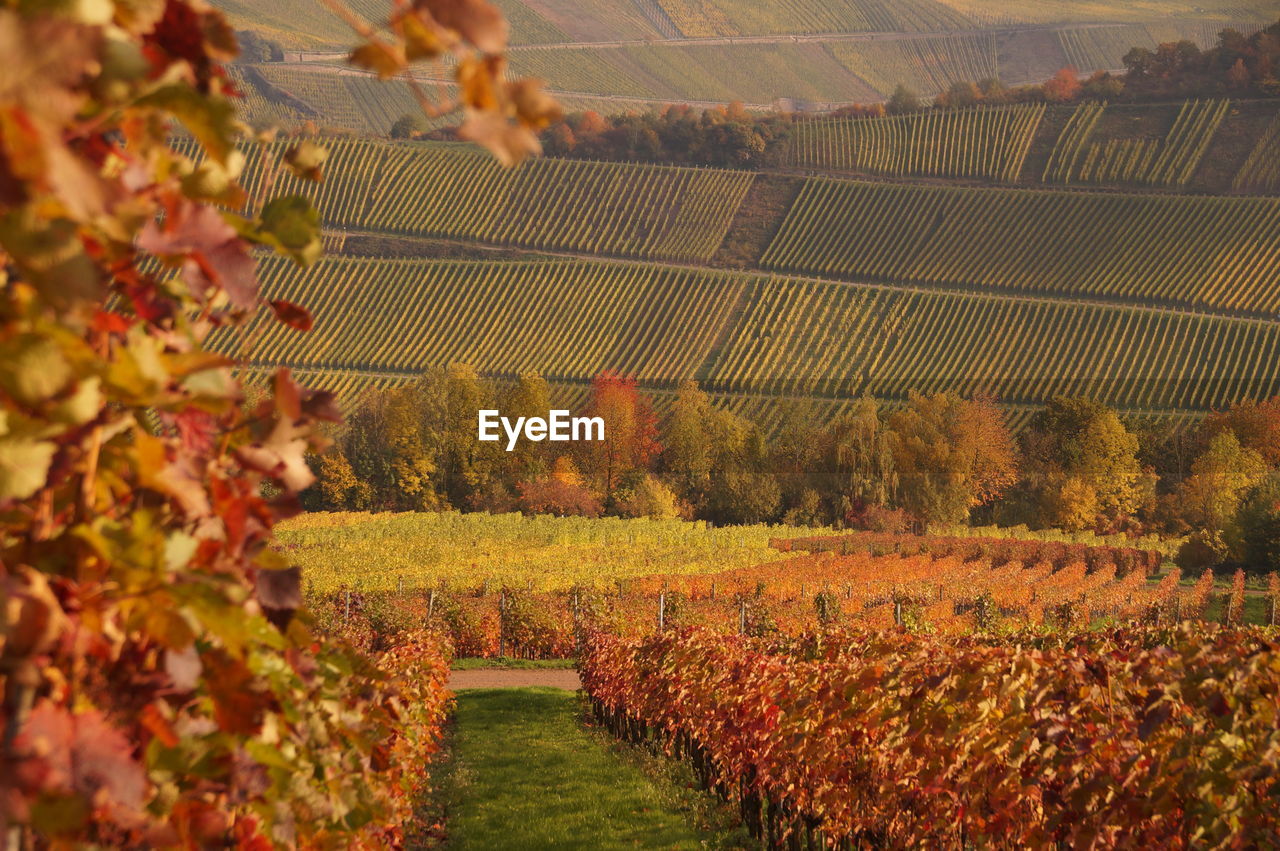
pixel 935 460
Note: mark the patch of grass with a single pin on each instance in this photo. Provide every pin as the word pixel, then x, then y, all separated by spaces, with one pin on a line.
pixel 678 788
pixel 472 663
pixel 528 776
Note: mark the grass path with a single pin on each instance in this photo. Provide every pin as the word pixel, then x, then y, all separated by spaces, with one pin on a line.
pixel 528 776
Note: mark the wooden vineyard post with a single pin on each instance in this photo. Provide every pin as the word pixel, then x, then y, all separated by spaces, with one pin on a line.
pixel 742 617
pixel 897 613
pixel 502 624
pixel 431 604
pixel 400 585
pixel 662 611
pixel 577 624
pixel 713 589
pixel 346 611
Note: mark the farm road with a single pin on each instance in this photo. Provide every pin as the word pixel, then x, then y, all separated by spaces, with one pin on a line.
pixel 560 678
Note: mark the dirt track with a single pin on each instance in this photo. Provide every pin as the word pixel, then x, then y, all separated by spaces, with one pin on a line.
pixel 561 678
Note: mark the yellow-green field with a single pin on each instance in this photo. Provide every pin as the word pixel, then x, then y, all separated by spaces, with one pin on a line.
pixel 377 551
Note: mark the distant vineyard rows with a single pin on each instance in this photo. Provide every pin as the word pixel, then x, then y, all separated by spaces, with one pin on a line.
pixel 989 143
pixel 649 212
pixel 1261 172
pixel 700 18
pixel 1214 253
pixel 750 334
pixel 1171 161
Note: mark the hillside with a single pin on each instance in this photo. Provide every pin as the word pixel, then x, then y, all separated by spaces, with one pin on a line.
pixel 1128 252
pixel 803 53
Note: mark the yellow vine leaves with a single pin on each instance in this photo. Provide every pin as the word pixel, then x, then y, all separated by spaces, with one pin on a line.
pixel 501 115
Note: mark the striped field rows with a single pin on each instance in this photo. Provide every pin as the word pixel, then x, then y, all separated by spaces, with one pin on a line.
pixel 989 143
pixel 741 333
pixel 1202 252
pixel 649 212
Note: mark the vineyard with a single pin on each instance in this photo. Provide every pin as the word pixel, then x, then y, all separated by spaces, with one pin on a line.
pixel 540 587
pixel 753 73
pixel 927 65
pixel 384 552
pixel 1102 48
pixel 1168 162
pixel 701 18
pixel 650 212
pixel 988 143
pixel 1212 253
pixel 563 319
pixel 1171 161
pixel 909 740
pixel 749 334
pixel 1261 172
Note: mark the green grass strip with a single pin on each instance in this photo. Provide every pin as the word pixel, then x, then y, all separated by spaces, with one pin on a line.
pixel 528 776
pixel 472 663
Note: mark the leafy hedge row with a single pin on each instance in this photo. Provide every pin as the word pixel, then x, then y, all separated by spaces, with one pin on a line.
pixel 1116 739
pixel 997 551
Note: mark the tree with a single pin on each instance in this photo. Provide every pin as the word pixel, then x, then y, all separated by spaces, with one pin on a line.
pixel 960 95
pixel 903 101
pixel 952 455
pixel 409 126
pixel 1063 87
pixel 688 456
pixel 451 399
pixel 1083 444
pixel 530 396
pixel 860 461
pixel 630 435
pixel 1219 479
pixel 340 489
pixel 1255 424
pixel 1258 521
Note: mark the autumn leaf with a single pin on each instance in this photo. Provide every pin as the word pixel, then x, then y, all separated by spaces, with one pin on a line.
pixel 82 753
pixel 293 315
pixel 280 593
pixel 478 21
pixel 238 703
pixel 509 143
pixel 292 225
pixel 305 160
pixel 33 617
pixel 533 105
pixel 24 466
pixel 212 254
pixel 385 60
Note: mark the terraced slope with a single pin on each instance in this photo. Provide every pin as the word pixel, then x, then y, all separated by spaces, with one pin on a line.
pixel 987 143
pixel 564 319
pixel 927 65
pixel 754 335
pixel 702 18
pixel 1208 253
pixel 650 212
pixel 1261 172
pixel 1141 160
